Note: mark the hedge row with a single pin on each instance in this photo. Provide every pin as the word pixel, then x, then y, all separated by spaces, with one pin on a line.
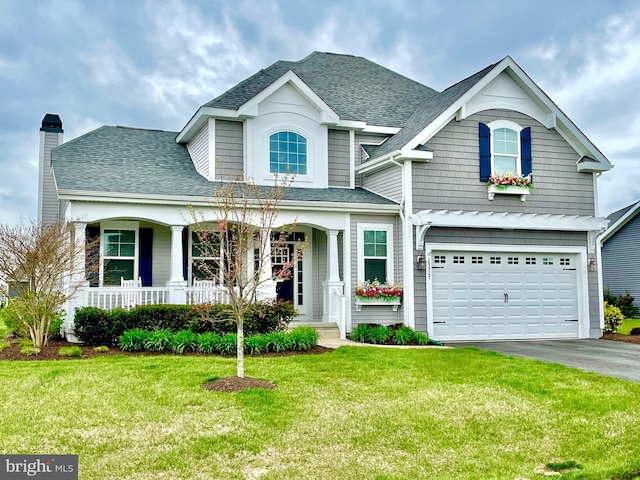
pixel 95 326
pixel 163 340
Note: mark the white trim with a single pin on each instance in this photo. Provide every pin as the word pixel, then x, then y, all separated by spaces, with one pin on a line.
pixel 581 273
pixel 346 269
pixel 507 221
pixel 407 246
pixel 388 228
pixel 352 159
pixel 393 158
pixel 212 148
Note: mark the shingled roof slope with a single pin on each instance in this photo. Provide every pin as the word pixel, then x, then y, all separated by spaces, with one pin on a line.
pixel 355 88
pixel 150 162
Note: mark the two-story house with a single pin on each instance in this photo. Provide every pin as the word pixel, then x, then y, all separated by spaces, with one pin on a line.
pixel 391 184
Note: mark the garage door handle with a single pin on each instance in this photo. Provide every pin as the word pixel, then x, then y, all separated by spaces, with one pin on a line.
pixel 506 298
pixel 571 320
pixel 439 322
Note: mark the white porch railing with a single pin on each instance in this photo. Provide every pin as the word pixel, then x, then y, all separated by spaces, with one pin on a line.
pixel 109 298
pixel 339 301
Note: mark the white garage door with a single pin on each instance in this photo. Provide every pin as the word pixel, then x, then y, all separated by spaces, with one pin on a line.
pixel 493 295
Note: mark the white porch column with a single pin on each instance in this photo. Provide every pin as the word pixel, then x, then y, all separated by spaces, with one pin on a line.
pixel 77 278
pixel 266 284
pixel 333 287
pixel 177 284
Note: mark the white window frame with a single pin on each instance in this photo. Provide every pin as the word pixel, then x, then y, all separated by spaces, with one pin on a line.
pixel 306 157
pixel 495 125
pixel 219 280
pixel 386 227
pixel 129 225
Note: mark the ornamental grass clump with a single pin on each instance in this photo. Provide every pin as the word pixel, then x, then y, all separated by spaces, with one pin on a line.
pixel 73 351
pixel 134 340
pixel 183 341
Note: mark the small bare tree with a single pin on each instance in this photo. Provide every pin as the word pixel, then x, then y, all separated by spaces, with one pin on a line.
pixel 40 264
pixel 238 244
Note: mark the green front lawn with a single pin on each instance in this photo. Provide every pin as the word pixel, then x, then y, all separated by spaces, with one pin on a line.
pixel 628 324
pixel 356 413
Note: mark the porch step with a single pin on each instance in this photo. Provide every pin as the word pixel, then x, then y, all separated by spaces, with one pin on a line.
pixel 325 329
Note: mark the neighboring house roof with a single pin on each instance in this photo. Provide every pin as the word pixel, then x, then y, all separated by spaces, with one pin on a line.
pixel 123 160
pixel 620 218
pixel 354 87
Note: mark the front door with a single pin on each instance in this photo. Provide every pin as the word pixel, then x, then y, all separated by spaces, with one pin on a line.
pixel 293 289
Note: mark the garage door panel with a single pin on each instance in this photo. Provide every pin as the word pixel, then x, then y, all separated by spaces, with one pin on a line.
pixel 504 295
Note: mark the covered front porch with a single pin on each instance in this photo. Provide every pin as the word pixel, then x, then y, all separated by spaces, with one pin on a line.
pixel 144 262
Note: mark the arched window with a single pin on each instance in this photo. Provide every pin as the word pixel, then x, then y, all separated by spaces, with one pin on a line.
pixel 506 155
pixel 288 153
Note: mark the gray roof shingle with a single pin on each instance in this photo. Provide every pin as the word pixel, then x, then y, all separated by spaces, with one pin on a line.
pixel 355 88
pixel 137 161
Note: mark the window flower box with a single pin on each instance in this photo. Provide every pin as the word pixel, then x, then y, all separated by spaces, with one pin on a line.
pixel 375 293
pixel 509 184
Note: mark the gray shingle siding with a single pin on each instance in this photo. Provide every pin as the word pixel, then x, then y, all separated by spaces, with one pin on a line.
pixel 387 183
pixel 229 150
pixel 339 158
pixel 50 205
pixel 199 150
pixel 451 180
pixel 621 261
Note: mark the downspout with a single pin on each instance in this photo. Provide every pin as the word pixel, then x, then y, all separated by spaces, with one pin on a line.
pixel 406 205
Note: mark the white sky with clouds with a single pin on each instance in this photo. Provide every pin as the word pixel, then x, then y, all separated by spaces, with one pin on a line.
pixel 152 64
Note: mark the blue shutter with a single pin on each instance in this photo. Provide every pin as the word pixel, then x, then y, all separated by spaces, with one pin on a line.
pixel 525 150
pixel 146 256
pixel 485 151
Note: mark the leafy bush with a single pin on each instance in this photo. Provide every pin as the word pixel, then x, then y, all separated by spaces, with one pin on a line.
pixel 421 338
pixel 255 344
pixel 626 306
pixel 277 342
pixel 360 333
pixel 635 331
pixel 9 317
pixel 403 335
pixel 380 334
pixel 158 340
pixel 228 344
pixel 208 342
pixel 609 297
pixel 29 350
pixel 95 326
pixel 134 340
pixel 612 318
pixel 183 341
pixel 101 349
pixel 73 351
pixel 303 338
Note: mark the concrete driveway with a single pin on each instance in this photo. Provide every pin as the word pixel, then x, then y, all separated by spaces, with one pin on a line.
pixel 616 359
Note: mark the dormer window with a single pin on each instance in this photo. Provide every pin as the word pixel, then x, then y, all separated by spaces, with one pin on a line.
pixel 288 153
pixel 505 148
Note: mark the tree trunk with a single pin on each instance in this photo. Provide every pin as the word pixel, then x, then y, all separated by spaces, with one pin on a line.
pixel 240 346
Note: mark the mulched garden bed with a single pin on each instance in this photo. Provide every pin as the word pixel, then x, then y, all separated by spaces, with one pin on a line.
pixel 50 352
pixel 619 337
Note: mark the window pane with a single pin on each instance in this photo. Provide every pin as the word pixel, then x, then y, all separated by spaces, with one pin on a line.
pixel 127 236
pixel 369 236
pixel 114 269
pixel 375 269
pixel 502 165
pixel 287 153
pixel 381 250
pixel 127 250
pixel 505 140
pixel 204 269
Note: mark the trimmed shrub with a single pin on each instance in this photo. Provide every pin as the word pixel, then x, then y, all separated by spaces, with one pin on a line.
pixel 360 333
pixel 183 341
pixel 95 326
pixel 612 318
pixel 303 338
pixel 134 340
pixel 635 331
pixel 208 342
pixel 403 335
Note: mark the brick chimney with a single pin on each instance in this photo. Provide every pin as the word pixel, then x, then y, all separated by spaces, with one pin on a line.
pixel 51 135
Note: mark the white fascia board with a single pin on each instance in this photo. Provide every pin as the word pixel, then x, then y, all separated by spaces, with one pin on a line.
pixel 509 221
pixel 182 200
pixel 377 163
pixel 200 118
pixel 394 158
pixel 329 117
pixel 416 155
pixel 621 222
pixel 381 129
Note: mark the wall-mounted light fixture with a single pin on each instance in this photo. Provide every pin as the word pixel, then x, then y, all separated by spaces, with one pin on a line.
pixel 422 264
pixel 591 263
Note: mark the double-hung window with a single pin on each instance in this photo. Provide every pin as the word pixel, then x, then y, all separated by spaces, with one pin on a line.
pixel 287 153
pixel 205 256
pixel 118 255
pixel 505 149
pixel 375 253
